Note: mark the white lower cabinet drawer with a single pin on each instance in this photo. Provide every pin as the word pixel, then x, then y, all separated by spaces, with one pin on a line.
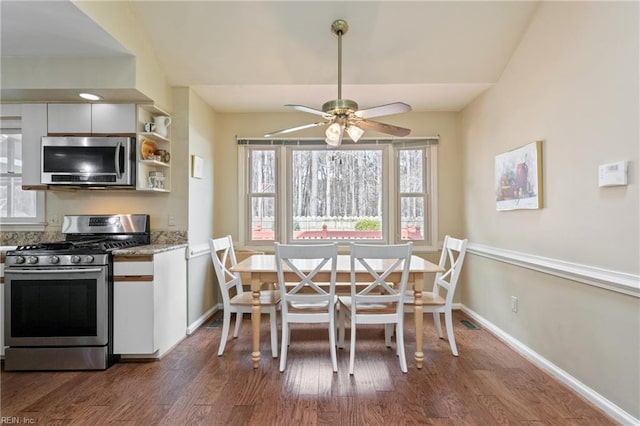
pixel 132 268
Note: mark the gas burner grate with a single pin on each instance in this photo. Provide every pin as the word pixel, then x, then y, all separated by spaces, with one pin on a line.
pixel 114 245
pixel 45 246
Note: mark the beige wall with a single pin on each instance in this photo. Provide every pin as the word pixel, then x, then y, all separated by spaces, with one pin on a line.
pixel 572 82
pixel 202 294
pixel 118 20
pixel 202 126
pixel 28 73
pixel 255 125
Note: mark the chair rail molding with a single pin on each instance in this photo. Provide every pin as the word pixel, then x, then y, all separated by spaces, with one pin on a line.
pixel 620 282
pixel 198 250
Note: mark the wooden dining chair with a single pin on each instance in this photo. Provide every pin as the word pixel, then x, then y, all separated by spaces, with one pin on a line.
pixel 303 299
pixel 223 257
pixel 451 259
pixel 379 301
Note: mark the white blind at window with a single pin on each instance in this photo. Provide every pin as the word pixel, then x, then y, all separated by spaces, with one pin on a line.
pixel 427 140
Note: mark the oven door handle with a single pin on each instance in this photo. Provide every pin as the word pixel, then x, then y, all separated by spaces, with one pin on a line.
pixel 53 271
pixel 117 160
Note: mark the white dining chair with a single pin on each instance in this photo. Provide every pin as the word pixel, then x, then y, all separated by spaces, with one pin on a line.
pixel 451 259
pixel 376 300
pixel 223 257
pixel 303 299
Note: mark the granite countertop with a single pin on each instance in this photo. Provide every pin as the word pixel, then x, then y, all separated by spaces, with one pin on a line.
pixel 148 249
pixel 132 251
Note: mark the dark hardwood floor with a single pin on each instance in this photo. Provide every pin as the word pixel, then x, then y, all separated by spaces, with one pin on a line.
pixel 488 384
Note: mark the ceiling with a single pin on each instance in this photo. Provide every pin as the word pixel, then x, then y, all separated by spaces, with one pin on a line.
pixel 242 56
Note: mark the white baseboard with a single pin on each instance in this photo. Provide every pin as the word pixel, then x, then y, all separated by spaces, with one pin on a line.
pixel 203 318
pixel 585 391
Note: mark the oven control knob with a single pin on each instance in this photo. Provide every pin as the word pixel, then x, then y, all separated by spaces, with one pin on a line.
pixel 54 259
pixel 75 259
pixel 19 260
pixel 88 259
pixel 32 260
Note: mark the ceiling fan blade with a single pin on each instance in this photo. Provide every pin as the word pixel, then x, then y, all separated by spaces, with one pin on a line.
pixel 309 110
pixel 383 128
pixel 295 129
pixel 387 109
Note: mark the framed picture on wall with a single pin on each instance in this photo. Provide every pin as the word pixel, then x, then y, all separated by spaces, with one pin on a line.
pixel 518 178
pixel 197 167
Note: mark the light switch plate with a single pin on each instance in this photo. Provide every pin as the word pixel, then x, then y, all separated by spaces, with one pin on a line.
pixel 612 174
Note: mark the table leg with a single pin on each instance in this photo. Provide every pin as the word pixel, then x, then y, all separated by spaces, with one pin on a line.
pixel 255 321
pixel 417 309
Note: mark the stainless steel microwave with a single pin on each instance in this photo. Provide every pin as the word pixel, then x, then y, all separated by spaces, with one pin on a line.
pixel 88 161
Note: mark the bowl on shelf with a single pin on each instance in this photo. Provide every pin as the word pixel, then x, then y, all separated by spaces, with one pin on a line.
pixel 148 148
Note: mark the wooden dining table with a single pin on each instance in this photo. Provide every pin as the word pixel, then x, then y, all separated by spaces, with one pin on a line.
pixel 261 268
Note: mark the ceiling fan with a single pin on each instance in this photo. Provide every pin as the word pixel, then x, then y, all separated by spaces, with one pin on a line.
pixel 343 114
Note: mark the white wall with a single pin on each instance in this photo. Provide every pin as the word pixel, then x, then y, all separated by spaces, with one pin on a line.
pixel 573 82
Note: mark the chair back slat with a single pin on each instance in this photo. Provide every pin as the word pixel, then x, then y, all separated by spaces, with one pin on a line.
pixel 379 290
pixel 451 259
pixel 223 258
pixel 306 262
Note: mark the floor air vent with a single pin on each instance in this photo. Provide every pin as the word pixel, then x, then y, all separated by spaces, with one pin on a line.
pixel 469 325
pixel 216 323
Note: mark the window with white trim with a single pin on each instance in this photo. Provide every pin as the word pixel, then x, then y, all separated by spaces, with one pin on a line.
pixel 16 206
pixel 412 192
pixel 301 192
pixel 262 194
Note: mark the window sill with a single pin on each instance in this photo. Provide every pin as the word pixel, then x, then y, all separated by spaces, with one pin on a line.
pixel 342 248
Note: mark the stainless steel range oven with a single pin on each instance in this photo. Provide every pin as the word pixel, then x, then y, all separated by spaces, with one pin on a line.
pixel 59 296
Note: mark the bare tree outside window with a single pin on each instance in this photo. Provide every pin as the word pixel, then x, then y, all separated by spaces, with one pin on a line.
pixel 411 174
pixel 336 194
pixel 262 192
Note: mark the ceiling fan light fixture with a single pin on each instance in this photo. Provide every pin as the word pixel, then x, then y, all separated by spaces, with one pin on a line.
pixel 334 134
pixel 355 132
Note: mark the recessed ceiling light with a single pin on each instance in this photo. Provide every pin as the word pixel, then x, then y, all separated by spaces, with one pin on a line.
pixel 90 96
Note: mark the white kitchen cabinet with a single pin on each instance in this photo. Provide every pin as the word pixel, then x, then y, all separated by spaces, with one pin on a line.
pixel 113 119
pixel 91 119
pixel 34 127
pixel 2 320
pixel 2 260
pixel 150 303
pixel 69 119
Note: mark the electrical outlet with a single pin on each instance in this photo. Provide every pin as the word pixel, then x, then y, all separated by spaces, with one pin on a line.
pixel 172 220
pixel 54 220
pixel 514 304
